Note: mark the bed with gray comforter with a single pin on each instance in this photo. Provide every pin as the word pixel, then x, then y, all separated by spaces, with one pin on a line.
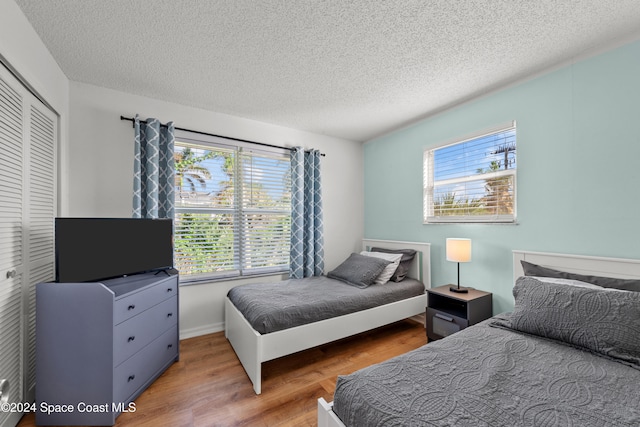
pixel 566 356
pixel 271 307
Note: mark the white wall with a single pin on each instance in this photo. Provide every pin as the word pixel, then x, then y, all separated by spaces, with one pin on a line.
pixel 24 50
pixel 101 170
pixel 21 47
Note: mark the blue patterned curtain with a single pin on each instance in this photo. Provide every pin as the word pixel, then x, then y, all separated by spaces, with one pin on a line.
pixel 307 236
pixel 153 169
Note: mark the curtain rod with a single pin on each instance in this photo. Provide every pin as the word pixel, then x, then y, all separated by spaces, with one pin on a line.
pixel 264 144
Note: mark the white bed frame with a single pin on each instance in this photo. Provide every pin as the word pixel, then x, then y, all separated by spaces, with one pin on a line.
pixel 253 348
pixel 587 265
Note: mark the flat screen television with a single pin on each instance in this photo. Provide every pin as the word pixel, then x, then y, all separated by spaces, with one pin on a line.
pixel 93 249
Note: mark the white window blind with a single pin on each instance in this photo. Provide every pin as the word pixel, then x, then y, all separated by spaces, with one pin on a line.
pixel 266 212
pixel 473 180
pixel 233 211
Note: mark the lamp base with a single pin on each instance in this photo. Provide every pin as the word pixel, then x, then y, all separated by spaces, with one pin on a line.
pixel 458 290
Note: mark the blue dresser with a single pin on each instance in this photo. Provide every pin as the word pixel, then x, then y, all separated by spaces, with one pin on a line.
pixel 99 345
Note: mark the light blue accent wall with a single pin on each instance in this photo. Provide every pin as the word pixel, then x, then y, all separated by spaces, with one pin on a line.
pixel 578 179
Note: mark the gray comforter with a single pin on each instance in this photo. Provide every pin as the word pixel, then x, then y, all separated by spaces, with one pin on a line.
pixel 564 357
pixel 271 307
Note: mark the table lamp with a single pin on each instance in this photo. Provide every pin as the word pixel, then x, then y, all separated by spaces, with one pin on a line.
pixel 458 250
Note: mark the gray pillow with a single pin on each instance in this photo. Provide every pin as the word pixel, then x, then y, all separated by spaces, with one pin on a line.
pixel 604 322
pixel 606 282
pixel 359 270
pixel 405 261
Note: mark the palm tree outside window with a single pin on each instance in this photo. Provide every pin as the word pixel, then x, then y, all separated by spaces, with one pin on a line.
pixel 472 180
pixel 233 210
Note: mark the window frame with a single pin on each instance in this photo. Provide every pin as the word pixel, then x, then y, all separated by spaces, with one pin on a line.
pixel 430 184
pixel 238 211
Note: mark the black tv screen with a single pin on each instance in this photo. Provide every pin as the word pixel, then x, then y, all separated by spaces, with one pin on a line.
pixel 92 249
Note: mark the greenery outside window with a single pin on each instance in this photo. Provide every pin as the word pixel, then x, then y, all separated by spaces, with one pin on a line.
pixel 232 210
pixel 472 180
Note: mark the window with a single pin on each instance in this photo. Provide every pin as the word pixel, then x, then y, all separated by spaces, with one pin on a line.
pixel 233 210
pixel 473 180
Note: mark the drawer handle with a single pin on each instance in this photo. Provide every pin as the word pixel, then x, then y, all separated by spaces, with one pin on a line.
pixel 131 307
pixel 169 314
pixel 443 317
pixel 131 378
pixel 169 289
pixel 170 346
pixel 131 338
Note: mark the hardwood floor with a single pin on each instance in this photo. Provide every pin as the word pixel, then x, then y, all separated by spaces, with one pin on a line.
pixel 208 386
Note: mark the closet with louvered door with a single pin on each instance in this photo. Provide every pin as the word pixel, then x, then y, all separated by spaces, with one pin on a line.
pixel 28 146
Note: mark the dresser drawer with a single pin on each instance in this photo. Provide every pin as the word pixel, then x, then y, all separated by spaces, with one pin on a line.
pixel 134 304
pixel 130 336
pixel 144 365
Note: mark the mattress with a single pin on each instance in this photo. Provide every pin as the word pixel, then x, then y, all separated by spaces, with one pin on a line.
pixel 271 307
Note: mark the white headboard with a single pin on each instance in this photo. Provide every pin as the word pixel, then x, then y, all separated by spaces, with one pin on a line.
pixel 621 268
pixel 421 266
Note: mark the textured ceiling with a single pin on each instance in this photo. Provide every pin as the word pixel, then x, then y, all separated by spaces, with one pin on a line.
pixel 354 69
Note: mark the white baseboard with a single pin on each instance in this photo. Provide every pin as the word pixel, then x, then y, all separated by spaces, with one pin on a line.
pixel 420 318
pixel 201 330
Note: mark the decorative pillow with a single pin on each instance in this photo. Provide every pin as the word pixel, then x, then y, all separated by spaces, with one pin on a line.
pixel 570 282
pixel 600 321
pixel 359 270
pixel 389 269
pixel 405 261
pixel 606 282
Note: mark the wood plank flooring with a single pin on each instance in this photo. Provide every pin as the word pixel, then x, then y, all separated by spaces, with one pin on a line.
pixel 208 386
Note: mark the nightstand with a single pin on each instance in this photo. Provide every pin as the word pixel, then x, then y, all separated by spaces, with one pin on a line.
pixel 448 312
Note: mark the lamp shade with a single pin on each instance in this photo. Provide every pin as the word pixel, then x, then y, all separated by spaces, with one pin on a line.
pixel 458 250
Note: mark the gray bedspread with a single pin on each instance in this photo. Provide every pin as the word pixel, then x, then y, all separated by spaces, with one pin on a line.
pixel 496 374
pixel 484 376
pixel 271 307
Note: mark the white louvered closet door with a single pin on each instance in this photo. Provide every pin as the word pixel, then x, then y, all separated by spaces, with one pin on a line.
pixel 40 212
pixel 28 140
pixel 11 251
